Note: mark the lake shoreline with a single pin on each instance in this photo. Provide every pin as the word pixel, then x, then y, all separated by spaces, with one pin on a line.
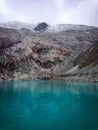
pixel 68 79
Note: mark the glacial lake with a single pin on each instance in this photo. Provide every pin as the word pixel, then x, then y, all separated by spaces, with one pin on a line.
pixel 48 105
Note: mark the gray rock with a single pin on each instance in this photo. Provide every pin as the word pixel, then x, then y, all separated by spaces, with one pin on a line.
pixel 44 55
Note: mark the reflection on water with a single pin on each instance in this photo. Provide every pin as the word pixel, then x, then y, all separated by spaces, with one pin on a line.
pixel 48 105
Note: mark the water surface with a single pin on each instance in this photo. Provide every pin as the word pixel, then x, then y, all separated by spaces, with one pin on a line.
pixel 48 105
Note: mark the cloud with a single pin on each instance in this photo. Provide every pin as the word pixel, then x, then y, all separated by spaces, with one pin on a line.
pixel 51 11
pixel 3 10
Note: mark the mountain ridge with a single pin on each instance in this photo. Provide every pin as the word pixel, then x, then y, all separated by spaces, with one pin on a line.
pixel 55 28
pixel 46 55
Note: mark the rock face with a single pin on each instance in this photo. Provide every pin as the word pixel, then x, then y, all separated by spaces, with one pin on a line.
pixel 48 56
pixel 85 65
pixel 30 61
pixel 11 34
pixel 25 32
pixel 41 27
pixel 5 43
pixel 9 37
pixel 68 55
pixel 87 57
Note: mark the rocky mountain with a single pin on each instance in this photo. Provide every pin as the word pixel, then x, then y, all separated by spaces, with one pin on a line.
pixel 70 54
pixel 71 27
pixel 88 56
pixel 41 27
pixel 17 25
pixel 9 37
pixel 85 65
pixel 25 32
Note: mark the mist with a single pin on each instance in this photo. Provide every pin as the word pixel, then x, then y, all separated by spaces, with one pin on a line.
pixel 50 11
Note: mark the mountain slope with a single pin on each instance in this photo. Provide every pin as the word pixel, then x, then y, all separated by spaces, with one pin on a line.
pixel 9 37
pixel 68 54
pixel 85 65
pixel 17 25
pixel 88 56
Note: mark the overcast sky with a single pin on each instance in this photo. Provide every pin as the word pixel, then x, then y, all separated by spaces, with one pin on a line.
pixel 50 11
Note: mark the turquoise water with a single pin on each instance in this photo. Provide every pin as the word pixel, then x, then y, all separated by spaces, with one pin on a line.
pixel 48 105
